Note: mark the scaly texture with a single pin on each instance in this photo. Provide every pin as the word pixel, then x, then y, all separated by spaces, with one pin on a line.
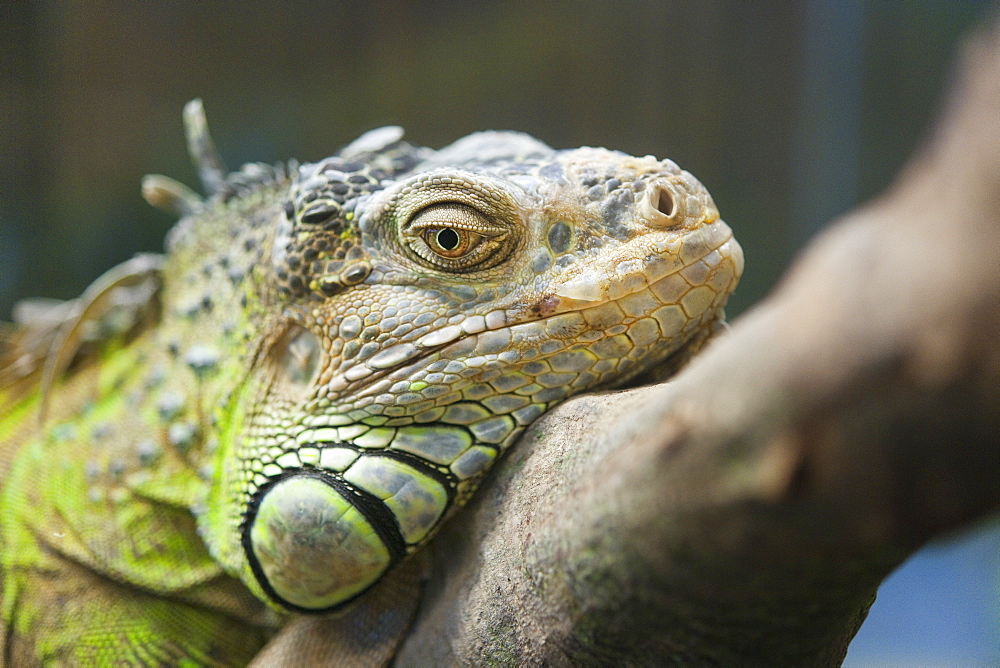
pixel 320 370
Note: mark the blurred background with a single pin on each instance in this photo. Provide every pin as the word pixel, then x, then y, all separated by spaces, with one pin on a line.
pixel 790 113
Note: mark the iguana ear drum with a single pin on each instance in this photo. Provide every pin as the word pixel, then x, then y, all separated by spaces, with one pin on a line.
pixel 314 542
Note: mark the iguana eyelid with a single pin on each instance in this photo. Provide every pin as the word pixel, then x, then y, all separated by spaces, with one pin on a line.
pixel 424 219
pixel 489 196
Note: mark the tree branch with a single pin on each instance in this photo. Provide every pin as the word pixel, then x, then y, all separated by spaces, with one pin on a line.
pixel 746 511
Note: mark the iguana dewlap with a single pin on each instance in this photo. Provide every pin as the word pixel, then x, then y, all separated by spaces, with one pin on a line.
pixel 323 366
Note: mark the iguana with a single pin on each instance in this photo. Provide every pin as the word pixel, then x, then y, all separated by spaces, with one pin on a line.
pixel 265 420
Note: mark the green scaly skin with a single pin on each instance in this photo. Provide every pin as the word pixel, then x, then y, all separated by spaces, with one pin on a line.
pixel 323 367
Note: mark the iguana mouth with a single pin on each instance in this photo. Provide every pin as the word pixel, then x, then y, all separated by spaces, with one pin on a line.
pixel 676 283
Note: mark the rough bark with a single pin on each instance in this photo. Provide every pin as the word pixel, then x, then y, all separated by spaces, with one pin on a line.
pixel 746 511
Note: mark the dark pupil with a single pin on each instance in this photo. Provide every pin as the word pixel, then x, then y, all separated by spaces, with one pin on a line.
pixel 448 239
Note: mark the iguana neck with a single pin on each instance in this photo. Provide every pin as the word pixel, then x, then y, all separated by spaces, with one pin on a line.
pixel 215 312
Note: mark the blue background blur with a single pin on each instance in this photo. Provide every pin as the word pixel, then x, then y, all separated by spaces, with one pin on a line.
pixel 790 112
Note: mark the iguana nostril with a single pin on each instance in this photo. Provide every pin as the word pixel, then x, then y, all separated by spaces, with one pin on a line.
pixel 665 202
pixel 661 206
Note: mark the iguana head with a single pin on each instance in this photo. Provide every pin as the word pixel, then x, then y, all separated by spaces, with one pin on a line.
pixel 417 310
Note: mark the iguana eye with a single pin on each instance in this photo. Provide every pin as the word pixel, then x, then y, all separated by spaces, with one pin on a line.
pixel 455 236
pixel 449 242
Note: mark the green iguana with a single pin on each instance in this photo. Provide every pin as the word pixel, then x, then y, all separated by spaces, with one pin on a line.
pixel 322 367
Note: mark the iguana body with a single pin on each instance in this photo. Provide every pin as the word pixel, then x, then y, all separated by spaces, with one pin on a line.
pixel 321 369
